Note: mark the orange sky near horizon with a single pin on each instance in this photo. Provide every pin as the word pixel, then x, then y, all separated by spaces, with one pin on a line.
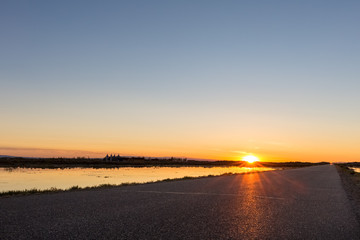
pixel 266 151
pixel 226 137
pixel 210 155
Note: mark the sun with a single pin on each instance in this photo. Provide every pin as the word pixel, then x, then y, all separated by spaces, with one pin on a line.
pixel 250 159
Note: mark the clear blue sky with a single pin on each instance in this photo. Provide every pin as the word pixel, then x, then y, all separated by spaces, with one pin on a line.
pixel 182 77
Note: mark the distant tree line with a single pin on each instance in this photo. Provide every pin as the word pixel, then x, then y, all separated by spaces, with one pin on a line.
pixel 118 158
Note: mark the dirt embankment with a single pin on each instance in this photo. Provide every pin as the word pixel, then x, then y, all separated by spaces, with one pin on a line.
pixel 351 183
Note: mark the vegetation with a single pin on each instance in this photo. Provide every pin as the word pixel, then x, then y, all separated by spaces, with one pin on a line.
pixel 346 168
pixel 349 164
pixel 134 162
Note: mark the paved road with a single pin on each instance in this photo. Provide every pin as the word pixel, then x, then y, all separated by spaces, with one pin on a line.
pixel 307 203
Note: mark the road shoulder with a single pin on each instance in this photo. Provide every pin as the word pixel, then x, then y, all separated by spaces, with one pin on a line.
pixel 351 184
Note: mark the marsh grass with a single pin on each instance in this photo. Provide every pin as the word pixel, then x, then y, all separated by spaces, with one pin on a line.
pixel 348 171
pixel 102 186
pixel 44 163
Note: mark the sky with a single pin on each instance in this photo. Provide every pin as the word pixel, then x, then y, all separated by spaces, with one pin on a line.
pixel 196 79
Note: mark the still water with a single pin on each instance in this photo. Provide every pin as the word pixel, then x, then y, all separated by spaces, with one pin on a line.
pixel 29 178
pixel 356 169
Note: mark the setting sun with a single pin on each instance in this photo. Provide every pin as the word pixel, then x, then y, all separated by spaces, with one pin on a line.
pixel 250 159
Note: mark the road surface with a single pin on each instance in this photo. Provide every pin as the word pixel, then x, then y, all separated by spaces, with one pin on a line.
pixel 306 203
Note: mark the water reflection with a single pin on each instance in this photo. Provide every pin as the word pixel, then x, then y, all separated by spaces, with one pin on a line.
pixel 28 178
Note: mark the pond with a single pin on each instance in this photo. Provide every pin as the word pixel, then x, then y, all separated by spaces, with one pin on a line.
pixel 29 178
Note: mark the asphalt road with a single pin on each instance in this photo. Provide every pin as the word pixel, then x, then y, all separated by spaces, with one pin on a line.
pixel 306 203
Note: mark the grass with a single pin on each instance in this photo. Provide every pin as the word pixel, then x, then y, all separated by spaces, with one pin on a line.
pixel 350 173
pixel 101 186
pixel 134 162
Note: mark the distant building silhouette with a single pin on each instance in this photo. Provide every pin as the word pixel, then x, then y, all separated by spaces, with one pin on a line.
pixel 113 158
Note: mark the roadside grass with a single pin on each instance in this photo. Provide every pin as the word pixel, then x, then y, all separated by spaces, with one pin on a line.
pixel 350 173
pixel 101 186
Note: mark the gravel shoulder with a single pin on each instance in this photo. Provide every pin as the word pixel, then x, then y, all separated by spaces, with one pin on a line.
pixel 351 184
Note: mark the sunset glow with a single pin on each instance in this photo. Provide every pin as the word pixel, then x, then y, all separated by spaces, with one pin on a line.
pixel 250 159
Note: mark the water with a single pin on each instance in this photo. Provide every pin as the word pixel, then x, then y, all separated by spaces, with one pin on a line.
pixel 356 169
pixel 29 178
